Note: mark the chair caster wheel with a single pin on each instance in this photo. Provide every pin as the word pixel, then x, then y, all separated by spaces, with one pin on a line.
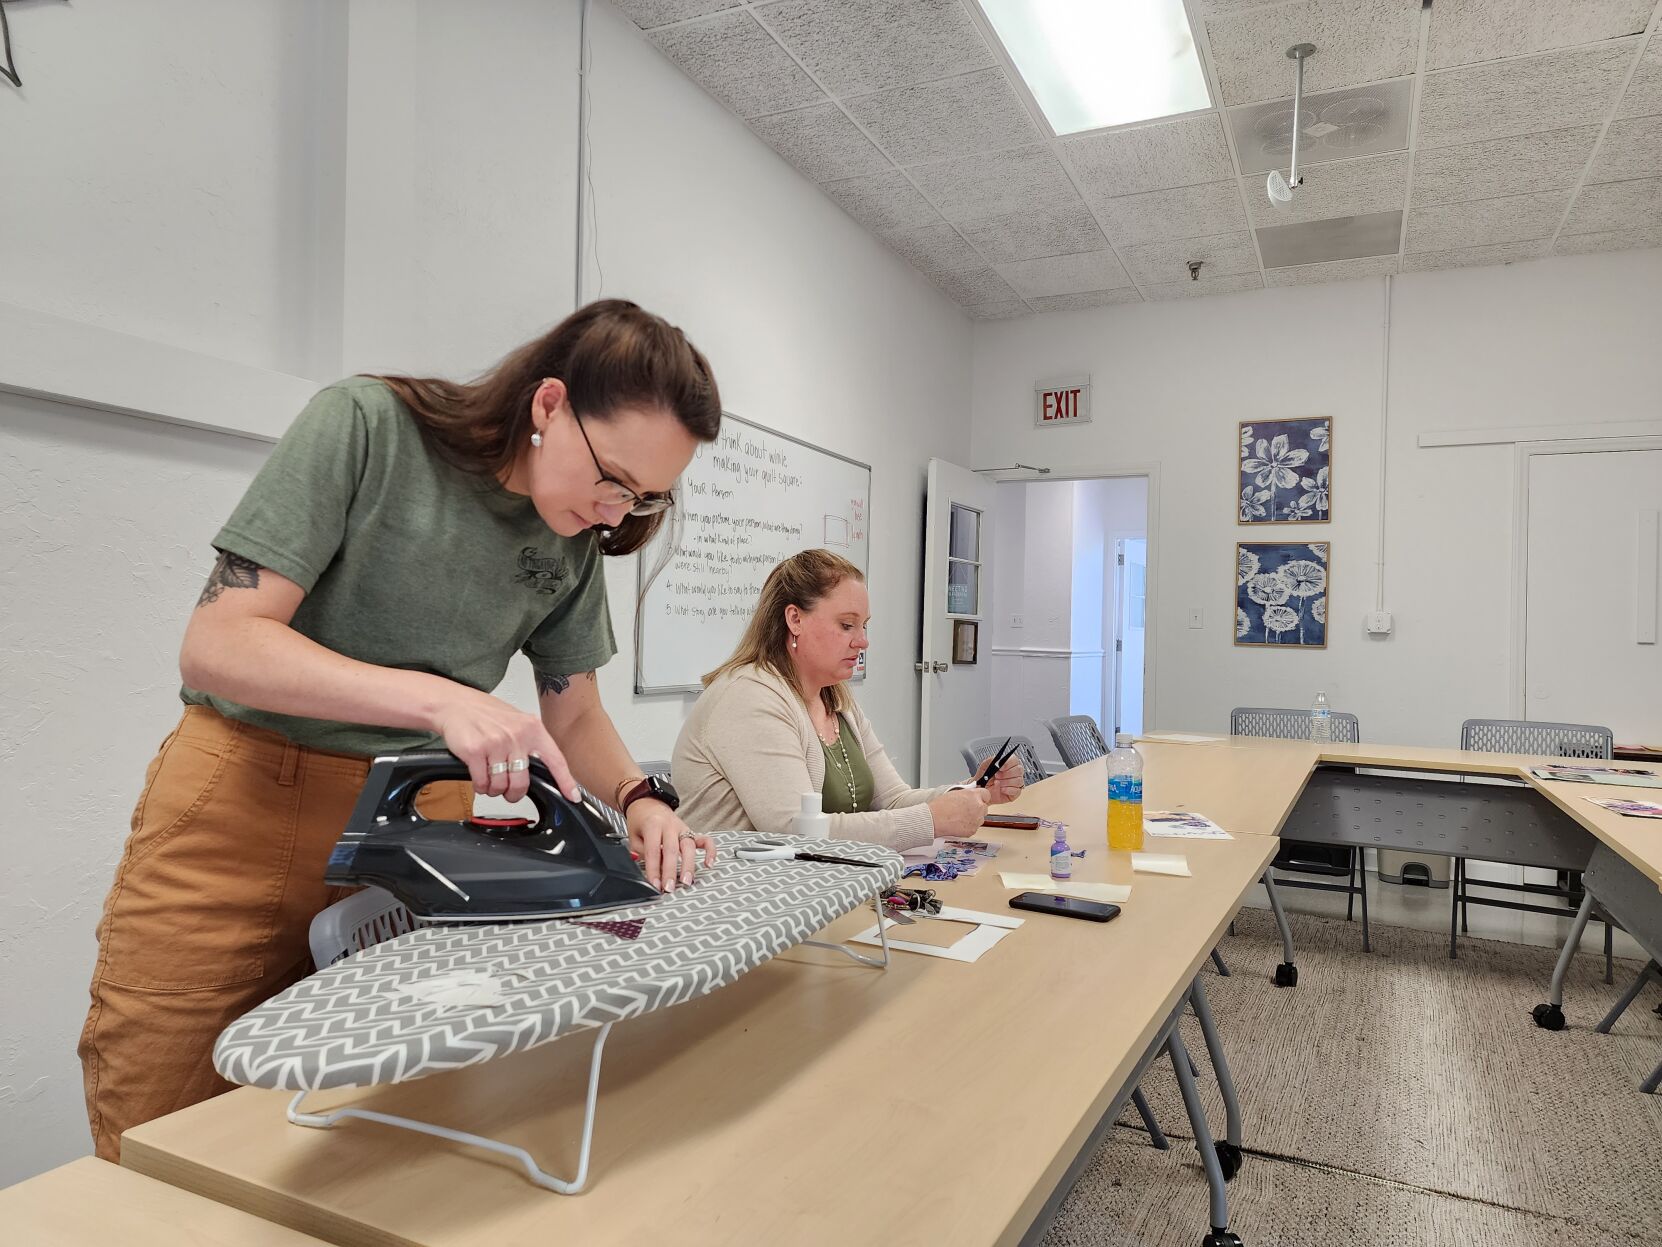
pixel 1548 1017
pixel 1286 975
pixel 1229 1158
pixel 1221 1238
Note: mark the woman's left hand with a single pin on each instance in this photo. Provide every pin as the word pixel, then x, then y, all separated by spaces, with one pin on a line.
pixel 668 848
pixel 1007 784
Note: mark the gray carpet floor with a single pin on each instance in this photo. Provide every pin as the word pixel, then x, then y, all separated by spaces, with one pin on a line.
pixel 1399 1098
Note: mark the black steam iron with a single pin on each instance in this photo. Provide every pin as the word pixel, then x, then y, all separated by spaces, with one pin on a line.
pixel 569 861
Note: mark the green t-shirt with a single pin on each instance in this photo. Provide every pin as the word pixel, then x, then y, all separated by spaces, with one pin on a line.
pixel 409 562
pixel 848 783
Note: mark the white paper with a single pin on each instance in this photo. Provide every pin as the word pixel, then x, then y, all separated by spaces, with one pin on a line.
pixel 1181 738
pixel 988 930
pixel 1182 825
pixel 1114 893
pixel 1160 864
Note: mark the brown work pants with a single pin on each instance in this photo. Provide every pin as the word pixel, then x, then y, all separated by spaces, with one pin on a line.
pixel 210 908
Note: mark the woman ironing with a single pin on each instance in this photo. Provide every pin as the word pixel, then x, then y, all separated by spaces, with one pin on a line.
pixel 405 539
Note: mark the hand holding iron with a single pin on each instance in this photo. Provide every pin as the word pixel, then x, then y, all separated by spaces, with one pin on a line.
pixel 497 741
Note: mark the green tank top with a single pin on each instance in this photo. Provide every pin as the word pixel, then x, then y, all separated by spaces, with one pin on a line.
pixel 848 783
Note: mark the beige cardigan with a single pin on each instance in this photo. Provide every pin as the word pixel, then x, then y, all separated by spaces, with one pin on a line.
pixel 748 749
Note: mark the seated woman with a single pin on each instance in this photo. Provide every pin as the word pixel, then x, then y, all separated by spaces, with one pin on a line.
pixel 776 720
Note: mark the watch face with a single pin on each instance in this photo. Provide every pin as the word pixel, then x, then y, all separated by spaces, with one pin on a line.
pixel 664 791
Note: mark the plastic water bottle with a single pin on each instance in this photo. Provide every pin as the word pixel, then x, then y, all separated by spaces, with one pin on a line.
pixel 811 820
pixel 1321 720
pixel 1125 796
pixel 1061 857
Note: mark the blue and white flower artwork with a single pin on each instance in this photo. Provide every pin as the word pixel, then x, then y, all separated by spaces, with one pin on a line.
pixel 1281 594
pixel 1286 470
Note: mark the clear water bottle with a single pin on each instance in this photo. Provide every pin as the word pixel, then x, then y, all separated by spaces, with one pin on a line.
pixel 1125 796
pixel 1321 720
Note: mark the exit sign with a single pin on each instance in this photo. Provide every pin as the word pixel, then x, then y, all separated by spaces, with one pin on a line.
pixel 1066 400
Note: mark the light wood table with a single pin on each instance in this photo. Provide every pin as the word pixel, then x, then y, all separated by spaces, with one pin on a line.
pixel 813 1101
pixel 92 1203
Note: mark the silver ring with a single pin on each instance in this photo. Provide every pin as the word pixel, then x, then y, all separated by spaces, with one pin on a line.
pixel 520 764
pixel 687 835
pixel 499 768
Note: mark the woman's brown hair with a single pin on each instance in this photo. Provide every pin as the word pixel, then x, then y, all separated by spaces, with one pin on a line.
pixel 800 581
pixel 610 354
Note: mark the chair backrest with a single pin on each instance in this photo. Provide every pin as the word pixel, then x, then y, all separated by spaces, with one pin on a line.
pixel 1077 738
pixel 1290 724
pixel 1558 740
pixel 980 749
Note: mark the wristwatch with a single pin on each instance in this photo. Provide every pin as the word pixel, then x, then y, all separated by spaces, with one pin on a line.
pixel 654 786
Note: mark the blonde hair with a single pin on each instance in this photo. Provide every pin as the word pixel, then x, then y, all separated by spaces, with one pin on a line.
pixel 800 581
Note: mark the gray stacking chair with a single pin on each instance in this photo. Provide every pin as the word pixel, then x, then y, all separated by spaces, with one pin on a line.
pixel 1078 739
pixel 1298 856
pixel 981 748
pixel 1557 740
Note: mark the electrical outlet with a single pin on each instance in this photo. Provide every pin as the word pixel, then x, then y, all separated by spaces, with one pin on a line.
pixel 1197 617
pixel 1015 621
pixel 1378 623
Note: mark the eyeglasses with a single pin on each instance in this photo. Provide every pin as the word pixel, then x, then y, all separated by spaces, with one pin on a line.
pixel 620 494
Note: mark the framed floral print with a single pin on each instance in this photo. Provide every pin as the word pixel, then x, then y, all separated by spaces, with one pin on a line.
pixel 1281 593
pixel 1286 471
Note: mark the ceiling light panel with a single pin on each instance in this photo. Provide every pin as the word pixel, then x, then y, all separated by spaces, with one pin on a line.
pixel 1091 64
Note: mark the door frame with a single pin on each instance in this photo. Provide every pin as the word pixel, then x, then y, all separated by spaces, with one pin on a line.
pixel 1523 452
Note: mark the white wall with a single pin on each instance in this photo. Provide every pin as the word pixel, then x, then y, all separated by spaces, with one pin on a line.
pixel 1561 341
pixel 187 201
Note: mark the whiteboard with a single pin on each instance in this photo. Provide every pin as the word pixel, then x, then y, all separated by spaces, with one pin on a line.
pixel 747 501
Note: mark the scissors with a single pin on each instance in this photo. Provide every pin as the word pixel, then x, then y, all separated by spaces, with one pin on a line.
pixel 768 849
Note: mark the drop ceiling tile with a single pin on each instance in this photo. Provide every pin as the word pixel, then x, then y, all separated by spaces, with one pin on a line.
pixel 1333 270
pixel 977 112
pixel 1610 240
pixel 1547 92
pixel 1471 257
pixel 882 201
pixel 1336 125
pixel 1616 206
pixel 1186 212
pixel 739 63
pixel 1089 298
pixel 1154 263
pixel 1205 286
pixel 1211 8
pixel 1185 152
pixel 935 248
pixel 1027 235
pixel 856 46
pixel 1347 188
pixel 971 289
pixel 1644 93
pixel 820 141
pixel 1006 309
pixel 1341 238
pixel 1065 274
pixel 1485 30
pixel 971 188
pixel 1483 222
pixel 1356 41
pixel 1496 167
pixel 1632 149
pixel 649 13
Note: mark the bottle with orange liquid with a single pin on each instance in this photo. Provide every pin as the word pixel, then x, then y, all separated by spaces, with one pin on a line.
pixel 1125 797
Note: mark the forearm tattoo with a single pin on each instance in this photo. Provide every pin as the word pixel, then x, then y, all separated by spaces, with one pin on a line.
pixel 558 684
pixel 231 572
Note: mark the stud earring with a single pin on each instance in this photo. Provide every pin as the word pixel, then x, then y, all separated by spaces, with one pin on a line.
pixel 536 439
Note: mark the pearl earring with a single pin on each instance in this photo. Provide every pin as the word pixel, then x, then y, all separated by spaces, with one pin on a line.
pixel 793 642
pixel 536 439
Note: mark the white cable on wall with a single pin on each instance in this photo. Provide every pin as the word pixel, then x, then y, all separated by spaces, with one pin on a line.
pixel 1384 428
pixel 582 144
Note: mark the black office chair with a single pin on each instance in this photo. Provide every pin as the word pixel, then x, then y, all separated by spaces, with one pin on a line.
pixel 981 748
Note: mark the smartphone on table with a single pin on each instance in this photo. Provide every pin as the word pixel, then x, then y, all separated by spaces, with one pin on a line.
pixel 1066 906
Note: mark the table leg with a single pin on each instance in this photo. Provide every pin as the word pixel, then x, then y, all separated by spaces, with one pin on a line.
pixel 1156 1136
pixel 1229 1147
pixel 1220 1235
pixel 1286 974
pixel 1550 1016
pixel 1650 971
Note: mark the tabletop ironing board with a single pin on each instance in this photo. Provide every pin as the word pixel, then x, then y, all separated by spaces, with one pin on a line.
pixel 442 997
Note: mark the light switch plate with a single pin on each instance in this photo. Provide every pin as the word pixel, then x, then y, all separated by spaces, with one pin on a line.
pixel 1015 621
pixel 1378 623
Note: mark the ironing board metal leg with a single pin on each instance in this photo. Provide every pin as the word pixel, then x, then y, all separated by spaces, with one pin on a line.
pixel 1202 1133
pixel 1220 1063
pixel 1628 997
pixel 882 934
pixel 532 1170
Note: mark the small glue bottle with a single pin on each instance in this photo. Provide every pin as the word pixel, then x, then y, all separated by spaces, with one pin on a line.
pixel 1061 857
pixel 811 820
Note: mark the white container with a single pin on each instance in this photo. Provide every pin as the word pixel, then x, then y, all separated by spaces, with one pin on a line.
pixel 811 820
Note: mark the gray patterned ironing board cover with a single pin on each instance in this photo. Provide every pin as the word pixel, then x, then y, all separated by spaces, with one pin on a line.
pixel 442 997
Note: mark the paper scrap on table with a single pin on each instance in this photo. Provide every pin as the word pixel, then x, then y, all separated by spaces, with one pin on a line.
pixel 1160 864
pixel 1085 891
pixel 988 929
pixel 1181 738
pixel 1182 825
pixel 1633 809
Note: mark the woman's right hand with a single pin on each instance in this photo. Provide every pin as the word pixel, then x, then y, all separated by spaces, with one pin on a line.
pixel 484 731
pixel 958 813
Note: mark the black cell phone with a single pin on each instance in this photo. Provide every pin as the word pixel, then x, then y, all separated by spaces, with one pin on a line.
pixel 1067 906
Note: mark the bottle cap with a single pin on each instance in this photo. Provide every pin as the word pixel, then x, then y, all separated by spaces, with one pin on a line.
pixel 812 803
pixel 1122 740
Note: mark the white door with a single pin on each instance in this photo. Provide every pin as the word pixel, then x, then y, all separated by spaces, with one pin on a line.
pixel 956 703
pixel 1591 652
pixel 1130 632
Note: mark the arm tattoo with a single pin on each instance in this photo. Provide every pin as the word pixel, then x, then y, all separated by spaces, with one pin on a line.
pixel 231 572
pixel 558 684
